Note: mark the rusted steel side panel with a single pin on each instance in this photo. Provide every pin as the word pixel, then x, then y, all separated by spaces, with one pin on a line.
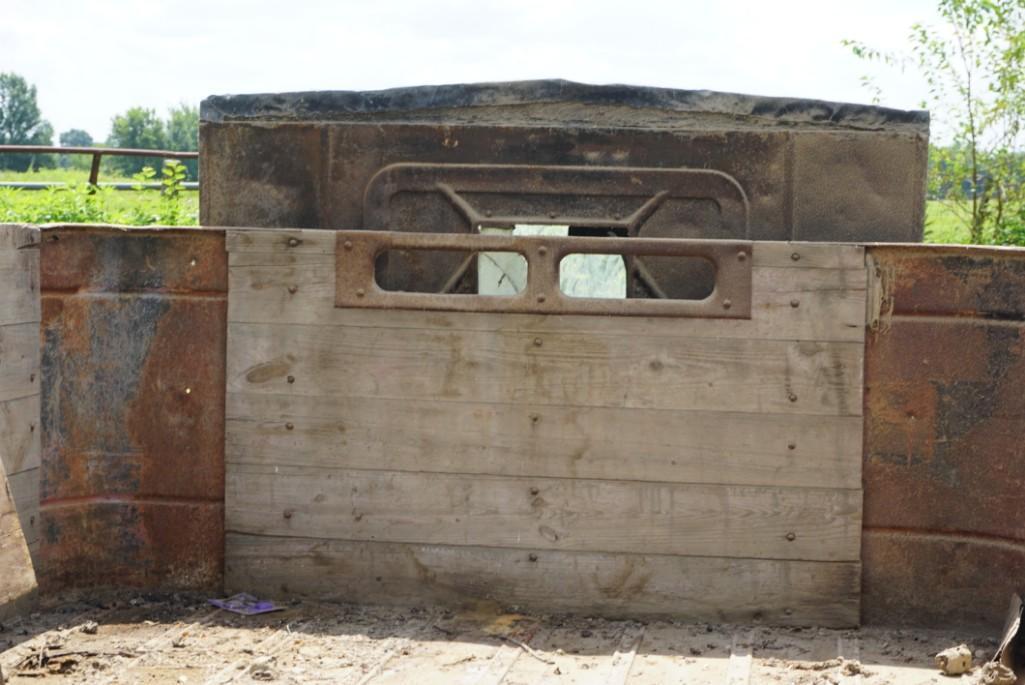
pixel 944 463
pixel 133 339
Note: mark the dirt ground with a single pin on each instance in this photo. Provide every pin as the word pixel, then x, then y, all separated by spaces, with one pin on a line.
pixel 181 639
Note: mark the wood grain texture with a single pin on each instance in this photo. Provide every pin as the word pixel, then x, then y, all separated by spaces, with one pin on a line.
pixel 615 585
pixel 831 304
pixel 24 488
pixel 556 441
pixel 19 361
pixel 19 286
pixel 19 434
pixel 564 369
pixel 530 513
pixel 615 465
pixel 17 575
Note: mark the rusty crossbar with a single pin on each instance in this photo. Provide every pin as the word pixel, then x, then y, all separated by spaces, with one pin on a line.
pixel 97 154
pixel 356 283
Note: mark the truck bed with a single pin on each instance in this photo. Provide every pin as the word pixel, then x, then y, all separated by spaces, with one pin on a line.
pixel 181 639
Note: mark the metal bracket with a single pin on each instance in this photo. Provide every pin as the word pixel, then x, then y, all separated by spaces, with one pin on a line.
pixel 356 285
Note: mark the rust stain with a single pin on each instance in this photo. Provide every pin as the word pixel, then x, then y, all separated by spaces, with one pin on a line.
pixel 132 477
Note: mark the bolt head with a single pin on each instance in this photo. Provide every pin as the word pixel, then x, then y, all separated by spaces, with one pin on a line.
pixel 293 242
pixel 360 292
pixel 795 304
pixel 347 244
pixel 541 298
pixel 289 426
pixel 791 536
pixel 795 256
pixel 291 379
pixel 741 256
pixel 727 303
pixel 293 289
pixel 542 250
pixel 792 397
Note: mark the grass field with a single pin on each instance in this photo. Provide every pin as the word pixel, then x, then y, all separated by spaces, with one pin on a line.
pixel 78 204
pixel 147 207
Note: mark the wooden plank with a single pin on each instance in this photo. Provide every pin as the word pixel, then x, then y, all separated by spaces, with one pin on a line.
pixel 18 236
pixel 549 513
pixel 18 579
pixel 19 434
pixel 558 441
pixel 306 240
pixel 641 586
pixel 24 489
pixel 555 369
pixel 19 361
pixel 809 255
pixel 19 286
pixel 299 288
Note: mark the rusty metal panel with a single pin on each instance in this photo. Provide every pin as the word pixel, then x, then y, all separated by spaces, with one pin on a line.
pixel 357 253
pixel 133 407
pixel 309 159
pixel 944 418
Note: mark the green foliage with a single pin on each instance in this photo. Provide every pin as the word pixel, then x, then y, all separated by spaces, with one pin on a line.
pixel 80 203
pixel 974 67
pixel 22 124
pixel 137 128
pixel 183 133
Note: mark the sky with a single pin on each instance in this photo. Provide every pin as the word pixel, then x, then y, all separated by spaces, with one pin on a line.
pixel 91 59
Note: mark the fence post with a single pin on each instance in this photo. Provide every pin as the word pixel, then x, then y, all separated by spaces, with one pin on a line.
pixel 94 172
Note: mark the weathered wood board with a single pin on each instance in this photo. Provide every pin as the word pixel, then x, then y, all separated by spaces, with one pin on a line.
pixel 410 454
pixel 19 414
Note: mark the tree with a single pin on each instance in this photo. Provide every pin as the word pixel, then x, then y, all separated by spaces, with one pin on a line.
pixel 183 132
pixel 136 128
pixel 21 123
pixel 974 67
pixel 75 137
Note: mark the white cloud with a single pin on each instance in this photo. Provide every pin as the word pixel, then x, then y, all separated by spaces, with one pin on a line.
pixel 93 58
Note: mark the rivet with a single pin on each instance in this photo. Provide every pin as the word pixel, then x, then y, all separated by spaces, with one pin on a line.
pixel 792 397
pixel 795 257
pixel 791 537
pixel 487 212
pixel 294 242
pixel 617 216
pixel 188 391
pixel 538 342
pixel 291 379
pixel 534 491
pixel 287 513
pixel 741 256
pixel 289 426
pixel 727 303
pixel 791 445
pixel 192 262
pixel 541 298
pixel 360 292
pixel 795 304
pixel 532 556
pixel 293 289
pixel 534 418
pixel 788 612
pixel 347 244
pixel 552 215
pixel 542 250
